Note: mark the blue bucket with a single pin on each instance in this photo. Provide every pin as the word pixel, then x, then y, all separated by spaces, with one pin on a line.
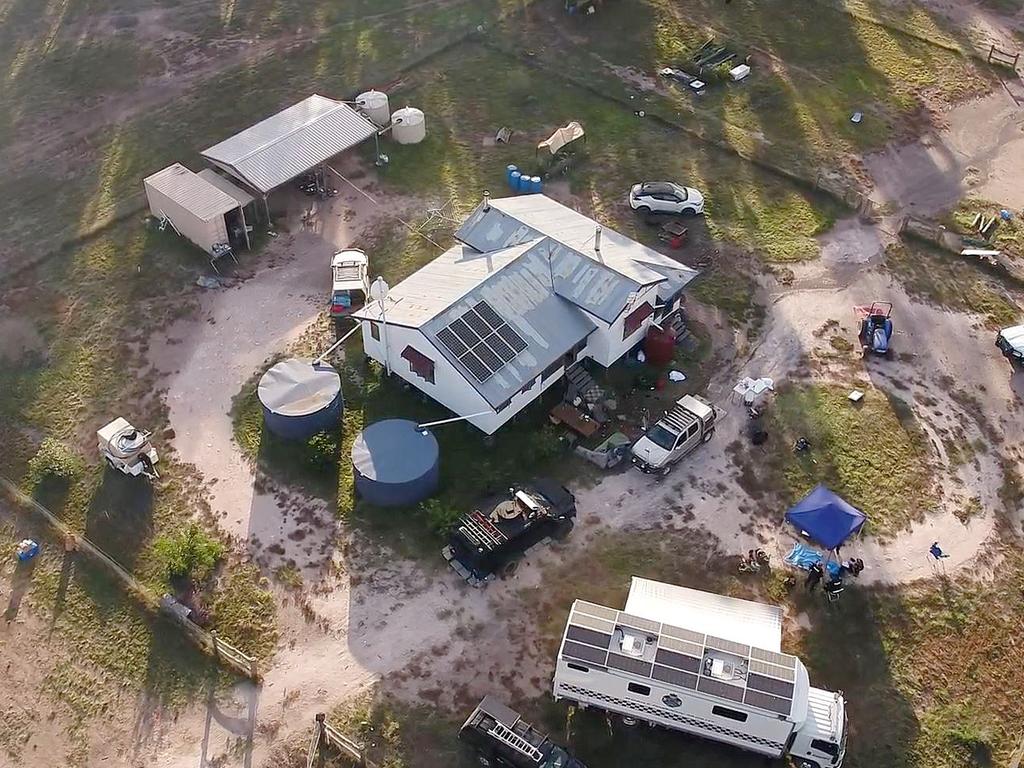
pixel 513 180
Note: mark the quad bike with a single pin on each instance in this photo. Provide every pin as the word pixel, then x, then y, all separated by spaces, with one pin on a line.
pixel 875 327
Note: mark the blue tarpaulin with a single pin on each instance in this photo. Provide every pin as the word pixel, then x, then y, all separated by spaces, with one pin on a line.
pixel 827 518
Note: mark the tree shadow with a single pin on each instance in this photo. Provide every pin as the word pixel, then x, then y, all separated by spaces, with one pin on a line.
pixel 119 519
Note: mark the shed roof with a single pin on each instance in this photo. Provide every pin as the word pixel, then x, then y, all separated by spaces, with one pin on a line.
pixel 233 191
pixel 191 191
pixel 282 146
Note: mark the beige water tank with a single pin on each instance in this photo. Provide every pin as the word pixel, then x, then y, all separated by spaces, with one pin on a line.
pixel 408 125
pixel 374 104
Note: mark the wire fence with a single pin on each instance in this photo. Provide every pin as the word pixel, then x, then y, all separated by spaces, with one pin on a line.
pixel 326 735
pixel 207 642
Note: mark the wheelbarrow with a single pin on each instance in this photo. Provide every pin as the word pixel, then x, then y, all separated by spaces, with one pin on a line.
pixel 673 233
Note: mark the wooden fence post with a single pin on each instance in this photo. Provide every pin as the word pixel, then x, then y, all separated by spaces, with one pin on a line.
pixel 216 648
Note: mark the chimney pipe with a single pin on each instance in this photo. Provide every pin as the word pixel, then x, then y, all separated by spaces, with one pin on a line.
pixel 597 239
pixel 487 200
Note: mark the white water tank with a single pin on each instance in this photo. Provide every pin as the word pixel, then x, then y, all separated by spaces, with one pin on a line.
pixel 408 125
pixel 374 104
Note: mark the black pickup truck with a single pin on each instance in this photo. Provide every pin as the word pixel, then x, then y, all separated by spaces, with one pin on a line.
pixel 488 540
pixel 502 740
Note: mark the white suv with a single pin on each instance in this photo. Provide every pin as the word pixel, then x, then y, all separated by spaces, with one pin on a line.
pixel 665 197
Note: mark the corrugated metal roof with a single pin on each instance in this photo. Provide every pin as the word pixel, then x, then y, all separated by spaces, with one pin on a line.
pixel 730 618
pixel 238 194
pixel 515 219
pixel 192 192
pixel 523 295
pixel 281 147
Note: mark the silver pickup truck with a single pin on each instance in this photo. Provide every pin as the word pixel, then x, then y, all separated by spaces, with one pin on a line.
pixel 690 423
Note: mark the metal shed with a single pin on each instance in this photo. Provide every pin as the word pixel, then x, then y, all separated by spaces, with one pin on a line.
pixel 290 143
pixel 300 398
pixel 395 464
pixel 201 211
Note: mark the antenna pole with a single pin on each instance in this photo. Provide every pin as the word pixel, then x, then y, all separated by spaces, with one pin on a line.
pixel 452 420
pixel 336 344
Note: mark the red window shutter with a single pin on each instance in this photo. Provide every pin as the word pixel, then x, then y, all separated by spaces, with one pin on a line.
pixel 636 318
pixel 419 364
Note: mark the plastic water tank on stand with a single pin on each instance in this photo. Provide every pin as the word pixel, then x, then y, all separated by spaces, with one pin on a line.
pixel 408 125
pixel 300 399
pixel 395 464
pixel 374 104
pixel 659 346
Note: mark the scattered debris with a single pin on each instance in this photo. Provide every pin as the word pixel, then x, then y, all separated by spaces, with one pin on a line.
pixel 857 117
pixel 503 136
pixel 205 281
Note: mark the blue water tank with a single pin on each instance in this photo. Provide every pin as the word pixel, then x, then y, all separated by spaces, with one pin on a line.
pixel 513 180
pixel 300 399
pixel 395 464
pixel 536 185
pixel 509 170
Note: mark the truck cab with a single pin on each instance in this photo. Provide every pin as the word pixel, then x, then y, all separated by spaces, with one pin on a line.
pixel 350 281
pixel 690 423
pixel 821 741
pixel 503 740
pixel 1011 343
pixel 488 540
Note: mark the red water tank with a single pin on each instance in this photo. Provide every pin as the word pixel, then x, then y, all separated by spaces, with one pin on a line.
pixel 659 346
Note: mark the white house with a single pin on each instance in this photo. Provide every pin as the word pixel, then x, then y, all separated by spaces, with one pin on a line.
pixel 531 288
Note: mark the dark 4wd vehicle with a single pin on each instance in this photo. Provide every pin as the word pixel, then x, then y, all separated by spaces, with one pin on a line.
pixel 488 540
pixel 503 740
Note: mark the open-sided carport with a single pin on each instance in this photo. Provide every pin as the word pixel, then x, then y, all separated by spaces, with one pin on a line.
pixel 292 142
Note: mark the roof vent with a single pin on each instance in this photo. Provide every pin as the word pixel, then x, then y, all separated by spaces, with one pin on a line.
pixel 487 200
pixel 632 645
pixel 597 239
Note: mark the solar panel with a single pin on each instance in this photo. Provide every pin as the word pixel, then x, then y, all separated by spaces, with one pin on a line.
pixel 589 636
pixel 512 338
pixel 765 701
pixel 476 367
pixel 770 685
pixel 482 341
pixel 583 652
pixel 674 676
pixel 722 690
pixel 628 664
pixel 678 660
pixel 447 337
pixel 491 317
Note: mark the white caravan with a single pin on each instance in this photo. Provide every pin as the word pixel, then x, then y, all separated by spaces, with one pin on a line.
pixel 708 665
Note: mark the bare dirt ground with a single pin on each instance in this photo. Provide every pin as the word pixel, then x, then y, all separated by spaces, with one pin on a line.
pixel 363 615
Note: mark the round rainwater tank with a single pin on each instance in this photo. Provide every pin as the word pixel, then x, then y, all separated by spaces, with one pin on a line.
pixel 659 346
pixel 395 464
pixel 374 104
pixel 300 399
pixel 408 125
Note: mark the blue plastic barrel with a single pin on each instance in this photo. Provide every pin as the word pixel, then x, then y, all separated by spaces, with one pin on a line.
pixel 513 180
pixel 508 173
pixel 524 183
pixel 536 185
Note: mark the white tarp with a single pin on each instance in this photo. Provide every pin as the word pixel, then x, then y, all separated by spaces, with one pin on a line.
pixel 753 390
pixel 561 137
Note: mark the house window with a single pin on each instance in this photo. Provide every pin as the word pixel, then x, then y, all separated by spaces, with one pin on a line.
pixel 375 330
pixel 419 364
pixel 643 690
pixel 635 319
pixel 731 714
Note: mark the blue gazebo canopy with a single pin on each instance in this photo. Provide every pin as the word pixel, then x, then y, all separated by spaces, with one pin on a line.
pixel 827 518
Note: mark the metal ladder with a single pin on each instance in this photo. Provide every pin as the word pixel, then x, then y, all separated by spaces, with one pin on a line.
pixel 516 741
pixel 483 531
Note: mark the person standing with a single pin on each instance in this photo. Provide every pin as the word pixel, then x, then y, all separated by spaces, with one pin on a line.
pixel 814 576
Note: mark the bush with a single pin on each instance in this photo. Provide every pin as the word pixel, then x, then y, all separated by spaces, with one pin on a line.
pixel 191 554
pixel 54 461
pixel 322 451
pixel 440 516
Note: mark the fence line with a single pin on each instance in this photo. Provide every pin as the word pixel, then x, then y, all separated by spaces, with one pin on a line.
pixel 1003 58
pixel 326 734
pixel 208 642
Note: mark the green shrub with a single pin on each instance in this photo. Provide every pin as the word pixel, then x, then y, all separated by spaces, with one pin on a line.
pixel 54 461
pixel 322 451
pixel 440 516
pixel 191 554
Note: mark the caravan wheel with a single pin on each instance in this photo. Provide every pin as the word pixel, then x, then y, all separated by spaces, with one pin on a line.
pixel 629 722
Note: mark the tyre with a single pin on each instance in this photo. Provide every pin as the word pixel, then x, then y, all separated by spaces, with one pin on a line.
pixel 563 530
pixel 707 436
pixel 509 569
pixel 688 212
pixel 643 210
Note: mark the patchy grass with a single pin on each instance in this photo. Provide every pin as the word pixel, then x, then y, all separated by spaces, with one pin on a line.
pixel 732 291
pixel 947 281
pixel 872 454
pixel 244 612
pixel 398 735
pixel 1008 237
pixel 746 206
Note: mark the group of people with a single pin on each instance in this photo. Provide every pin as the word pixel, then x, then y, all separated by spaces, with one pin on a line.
pixel 833 584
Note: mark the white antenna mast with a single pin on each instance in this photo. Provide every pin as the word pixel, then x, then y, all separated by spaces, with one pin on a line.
pixel 379 292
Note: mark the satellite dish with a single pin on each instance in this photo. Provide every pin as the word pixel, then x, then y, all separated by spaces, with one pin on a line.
pixel 379 289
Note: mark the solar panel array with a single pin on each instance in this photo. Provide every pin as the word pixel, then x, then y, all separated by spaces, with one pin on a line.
pixel 592 637
pixel 481 341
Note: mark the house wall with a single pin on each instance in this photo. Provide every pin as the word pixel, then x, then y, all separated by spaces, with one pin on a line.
pixel 203 233
pixel 606 345
pixel 450 388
